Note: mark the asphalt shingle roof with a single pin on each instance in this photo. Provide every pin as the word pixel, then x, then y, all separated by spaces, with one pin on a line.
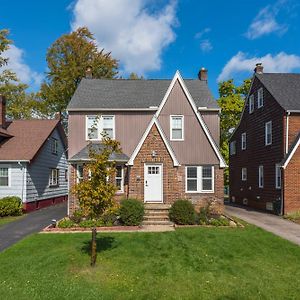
pixel 123 93
pixel 284 87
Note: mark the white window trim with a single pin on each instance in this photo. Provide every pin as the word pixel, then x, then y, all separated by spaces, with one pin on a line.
pixel 266 141
pixel 54 146
pixel 9 177
pixel 100 126
pixel 171 138
pixel 244 174
pixel 244 139
pixel 251 104
pixel 233 143
pixel 278 171
pixel 260 103
pixel 51 184
pixel 199 180
pixel 261 174
pixel 122 180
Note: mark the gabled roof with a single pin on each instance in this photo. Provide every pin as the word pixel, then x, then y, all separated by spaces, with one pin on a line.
pixel 83 154
pixel 153 122
pixel 291 152
pixel 28 136
pixel 284 87
pixel 177 77
pixel 93 94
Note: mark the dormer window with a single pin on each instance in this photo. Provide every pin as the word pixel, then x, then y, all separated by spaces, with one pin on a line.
pixel 176 128
pixel 260 98
pixel 98 125
pixel 251 104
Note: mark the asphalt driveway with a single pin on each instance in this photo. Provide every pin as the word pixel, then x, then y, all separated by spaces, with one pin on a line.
pixel 275 224
pixel 31 223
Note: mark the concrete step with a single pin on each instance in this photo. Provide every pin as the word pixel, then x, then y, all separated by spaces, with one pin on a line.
pixel 155 218
pixel 157 222
pixel 153 212
pixel 159 206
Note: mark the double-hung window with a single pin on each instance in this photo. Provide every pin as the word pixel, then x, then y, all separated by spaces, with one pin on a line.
pixel 177 128
pixel 261 176
pixel 54 146
pixel 4 176
pixel 79 173
pixel 244 174
pixel 199 179
pixel 53 178
pixel 244 141
pixel 251 104
pixel 96 126
pixel 232 149
pixel 120 179
pixel 260 98
pixel 268 133
pixel 277 176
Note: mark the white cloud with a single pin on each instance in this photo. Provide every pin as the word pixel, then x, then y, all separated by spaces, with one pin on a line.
pixel 279 63
pixel 135 36
pixel 265 22
pixel 206 45
pixel 17 64
pixel 200 34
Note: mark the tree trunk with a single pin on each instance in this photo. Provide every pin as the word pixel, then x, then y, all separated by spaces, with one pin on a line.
pixel 94 247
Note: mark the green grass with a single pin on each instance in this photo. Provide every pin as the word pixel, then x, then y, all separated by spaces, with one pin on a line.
pixel 5 220
pixel 190 263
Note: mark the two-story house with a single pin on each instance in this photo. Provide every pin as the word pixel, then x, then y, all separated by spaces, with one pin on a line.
pixel 264 154
pixel 168 130
pixel 33 160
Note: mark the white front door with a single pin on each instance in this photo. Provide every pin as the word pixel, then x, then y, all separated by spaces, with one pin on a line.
pixel 153 183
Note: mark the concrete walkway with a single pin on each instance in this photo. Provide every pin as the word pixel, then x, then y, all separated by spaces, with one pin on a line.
pixel 30 223
pixel 275 224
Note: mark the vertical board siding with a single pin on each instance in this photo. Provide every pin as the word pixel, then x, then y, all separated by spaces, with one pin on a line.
pixel 17 181
pixel 195 149
pixel 129 127
pixel 39 169
pixel 257 153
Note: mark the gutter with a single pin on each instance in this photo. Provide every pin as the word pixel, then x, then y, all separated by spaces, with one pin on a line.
pixel 152 108
pixel 15 161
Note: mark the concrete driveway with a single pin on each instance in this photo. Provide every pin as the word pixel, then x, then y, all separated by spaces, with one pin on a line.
pixel 275 224
pixel 31 223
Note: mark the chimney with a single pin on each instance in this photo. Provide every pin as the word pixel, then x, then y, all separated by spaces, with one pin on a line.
pixel 202 75
pixel 89 73
pixel 57 116
pixel 2 112
pixel 259 69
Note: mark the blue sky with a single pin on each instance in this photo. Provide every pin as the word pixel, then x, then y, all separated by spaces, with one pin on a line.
pixel 154 38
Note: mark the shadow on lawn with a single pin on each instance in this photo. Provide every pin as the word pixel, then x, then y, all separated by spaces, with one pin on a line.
pixel 103 243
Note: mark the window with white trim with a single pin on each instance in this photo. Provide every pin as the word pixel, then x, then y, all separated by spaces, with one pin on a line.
pixel 176 128
pixel 4 176
pixel 260 98
pixel 244 174
pixel 54 145
pixel 261 176
pixel 98 125
pixel 53 178
pixel 251 104
pixel 199 179
pixel 79 173
pixel 244 141
pixel 120 179
pixel 232 148
pixel 278 176
pixel 268 133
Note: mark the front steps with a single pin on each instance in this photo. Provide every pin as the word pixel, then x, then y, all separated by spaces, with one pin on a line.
pixel 157 214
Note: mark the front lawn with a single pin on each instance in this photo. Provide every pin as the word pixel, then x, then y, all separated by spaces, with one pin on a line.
pixel 5 220
pixel 190 263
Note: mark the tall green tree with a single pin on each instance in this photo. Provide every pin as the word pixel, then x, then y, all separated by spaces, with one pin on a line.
pixel 20 104
pixel 68 58
pixel 231 101
pixel 135 76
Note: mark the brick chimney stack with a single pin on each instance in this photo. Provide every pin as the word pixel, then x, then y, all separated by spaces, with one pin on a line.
pixel 259 69
pixel 202 75
pixel 89 72
pixel 2 111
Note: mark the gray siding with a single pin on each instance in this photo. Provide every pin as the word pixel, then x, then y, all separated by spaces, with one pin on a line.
pixel 39 169
pixel 17 186
pixel 195 149
pixel 212 121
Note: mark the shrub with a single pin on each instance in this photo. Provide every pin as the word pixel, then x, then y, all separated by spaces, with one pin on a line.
pixel 182 212
pixel 77 216
pixel 111 216
pixel 10 206
pixel 131 212
pixel 219 222
pixel 88 223
pixel 66 223
pixel 203 216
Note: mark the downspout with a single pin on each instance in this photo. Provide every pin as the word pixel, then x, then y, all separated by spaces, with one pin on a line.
pixel 287 133
pixel 22 193
pixel 282 170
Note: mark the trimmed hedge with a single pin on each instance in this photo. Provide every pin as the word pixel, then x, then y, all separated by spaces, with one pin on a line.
pixel 10 206
pixel 182 212
pixel 131 212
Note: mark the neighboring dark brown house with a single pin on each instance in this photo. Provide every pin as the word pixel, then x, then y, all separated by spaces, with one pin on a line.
pixel 169 133
pixel 264 155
